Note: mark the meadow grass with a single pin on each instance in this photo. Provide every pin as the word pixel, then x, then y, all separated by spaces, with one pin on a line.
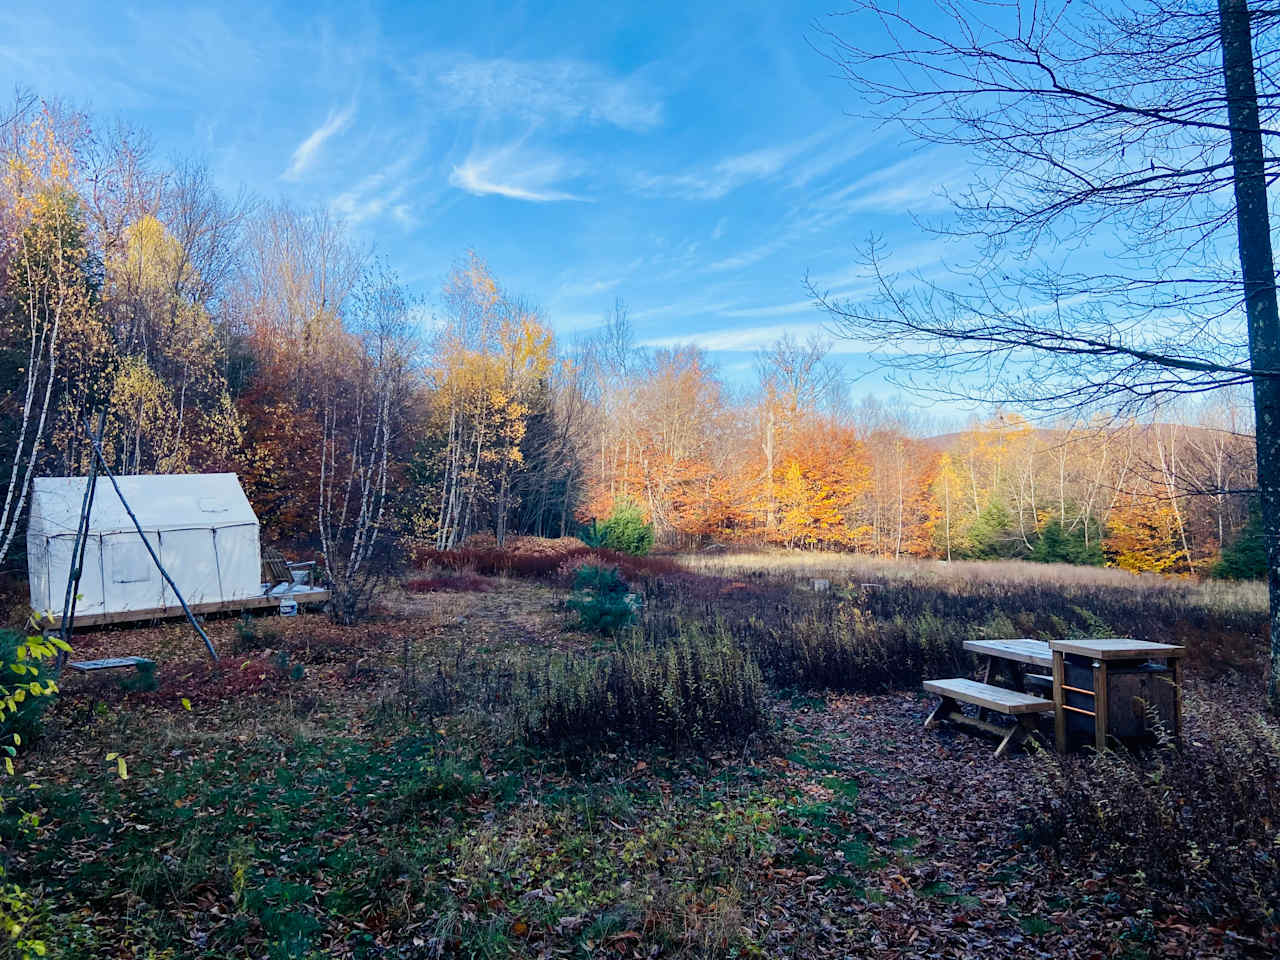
pixel 1247 596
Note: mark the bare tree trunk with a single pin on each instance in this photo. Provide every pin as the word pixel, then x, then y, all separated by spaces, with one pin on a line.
pixel 946 492
pixel 1258 268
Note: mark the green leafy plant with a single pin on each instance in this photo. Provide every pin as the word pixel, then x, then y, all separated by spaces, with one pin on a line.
pixel 17 915
pixel 602 599
pixel 26 686
pixel 143 678
pixel 25 691
pixel 1058 544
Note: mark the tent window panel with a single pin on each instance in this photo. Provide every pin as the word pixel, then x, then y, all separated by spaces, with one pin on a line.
pixel 130 563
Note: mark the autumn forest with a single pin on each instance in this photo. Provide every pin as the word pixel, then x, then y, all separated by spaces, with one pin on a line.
pixel 229 333
pixel 605 487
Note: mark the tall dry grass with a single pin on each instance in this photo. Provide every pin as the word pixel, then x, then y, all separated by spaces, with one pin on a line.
pixel 961 575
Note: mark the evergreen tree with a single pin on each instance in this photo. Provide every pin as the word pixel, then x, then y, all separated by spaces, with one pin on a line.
pixel 1245 558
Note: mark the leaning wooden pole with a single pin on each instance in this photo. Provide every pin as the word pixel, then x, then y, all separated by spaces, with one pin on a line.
pixel 191 617
pixel 81 541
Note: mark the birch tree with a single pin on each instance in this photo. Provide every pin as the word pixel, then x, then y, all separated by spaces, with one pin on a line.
pixel 361 399
pixel 47 289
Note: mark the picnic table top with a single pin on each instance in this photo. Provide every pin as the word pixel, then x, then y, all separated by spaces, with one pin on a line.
pixel 1117 648
pixel 1035 652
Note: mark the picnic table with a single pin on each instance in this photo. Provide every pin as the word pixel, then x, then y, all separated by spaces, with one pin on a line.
pixel 1034 652
pixel 1108 681
pixel 1022 653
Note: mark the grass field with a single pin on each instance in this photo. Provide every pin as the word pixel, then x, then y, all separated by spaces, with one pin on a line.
pixel 375 792
pixel 1246 595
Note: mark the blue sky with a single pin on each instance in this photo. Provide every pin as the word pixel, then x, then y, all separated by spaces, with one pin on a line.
pixel 695 159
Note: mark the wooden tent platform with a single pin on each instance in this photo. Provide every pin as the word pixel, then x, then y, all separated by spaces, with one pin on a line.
pixel 304 598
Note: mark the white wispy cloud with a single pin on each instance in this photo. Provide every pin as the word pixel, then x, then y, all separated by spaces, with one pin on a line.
pixel 306 152
pixel 749 256
pixel 578 289
pixel 513 171
pixel 378 193
pixel 774 310
pixel 404 215
pixel 925 259
pixel 737 338
pixel 916 184
pixel 843 147
pixel 729 173
pixel 560 90
pixel 745 339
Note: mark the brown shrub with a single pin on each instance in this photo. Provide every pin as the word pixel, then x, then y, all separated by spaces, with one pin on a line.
pixel 458 582
pixel 1193 829
pixel 537 557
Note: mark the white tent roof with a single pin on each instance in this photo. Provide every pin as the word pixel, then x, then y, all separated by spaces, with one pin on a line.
pixel 188 501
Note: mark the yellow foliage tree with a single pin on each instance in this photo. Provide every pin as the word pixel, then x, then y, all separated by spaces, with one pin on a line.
pixel 1142 536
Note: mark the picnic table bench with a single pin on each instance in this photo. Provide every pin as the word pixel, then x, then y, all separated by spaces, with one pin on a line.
pixel 1021 706
pixel 109 663
pixel 1099 688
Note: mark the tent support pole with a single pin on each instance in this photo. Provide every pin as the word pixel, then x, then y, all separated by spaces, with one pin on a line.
pixel 79 544
pixel 191 618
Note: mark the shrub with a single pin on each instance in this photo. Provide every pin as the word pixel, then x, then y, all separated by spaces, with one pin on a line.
pixel 989 536
pixel 142 679
pixel 456 582
pixel 687 691
pixel 529 557
pixel 252 635
pixel 1197 824
pixel 22 707
pixel 625 530
pixel 602 599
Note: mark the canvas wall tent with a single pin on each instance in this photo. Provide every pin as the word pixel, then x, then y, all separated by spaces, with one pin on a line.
pixel 200 525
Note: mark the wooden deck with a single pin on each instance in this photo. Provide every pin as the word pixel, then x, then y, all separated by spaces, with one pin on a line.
pixel 304 598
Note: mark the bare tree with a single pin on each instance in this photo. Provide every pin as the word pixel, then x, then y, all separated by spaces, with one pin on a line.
pixel 1138 128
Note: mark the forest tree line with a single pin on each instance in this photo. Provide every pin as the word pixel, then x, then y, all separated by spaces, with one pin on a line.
pixel 224 333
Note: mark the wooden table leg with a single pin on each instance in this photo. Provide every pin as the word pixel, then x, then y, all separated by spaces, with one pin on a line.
pixel 986 678
pixel 1017 735
pixel 1059 715
pixel 1100 713
pixel 941 712
pixel 1175 674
